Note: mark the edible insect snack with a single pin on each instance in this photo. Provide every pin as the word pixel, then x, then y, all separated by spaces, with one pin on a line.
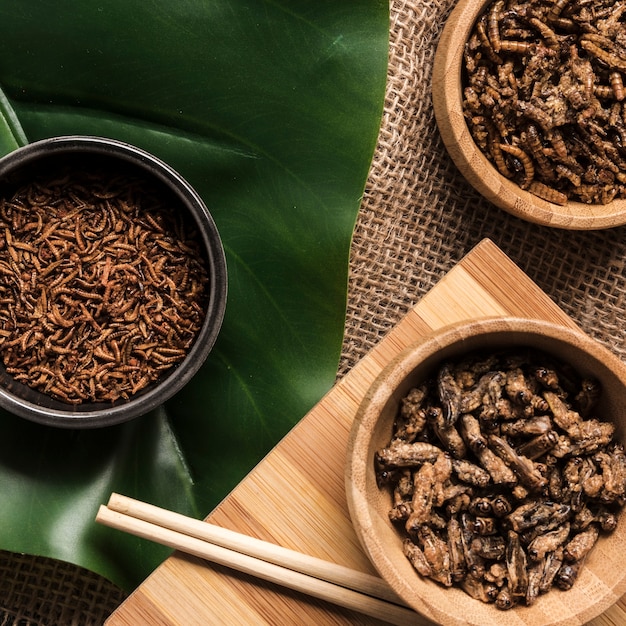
pixel 103 285
pixel 502 477
pixel 544 94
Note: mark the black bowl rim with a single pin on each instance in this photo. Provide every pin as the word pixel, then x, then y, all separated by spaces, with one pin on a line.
pixel 115 413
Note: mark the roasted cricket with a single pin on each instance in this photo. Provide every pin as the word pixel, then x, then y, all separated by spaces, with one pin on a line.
pixel 544 96
pixel 502 475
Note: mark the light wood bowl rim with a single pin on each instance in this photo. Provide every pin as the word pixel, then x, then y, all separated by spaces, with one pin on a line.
pixel 472 163
pixel 603 579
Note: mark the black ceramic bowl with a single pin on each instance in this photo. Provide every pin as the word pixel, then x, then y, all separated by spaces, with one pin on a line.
pixel 16 168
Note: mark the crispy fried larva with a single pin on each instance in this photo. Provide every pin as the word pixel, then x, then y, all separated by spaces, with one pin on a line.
pixel 544 96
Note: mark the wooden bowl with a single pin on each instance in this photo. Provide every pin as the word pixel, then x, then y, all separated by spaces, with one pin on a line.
pixel 602 580
pixel 447 91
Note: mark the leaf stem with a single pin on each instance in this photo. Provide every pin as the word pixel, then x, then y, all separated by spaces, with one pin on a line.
pixel 12 134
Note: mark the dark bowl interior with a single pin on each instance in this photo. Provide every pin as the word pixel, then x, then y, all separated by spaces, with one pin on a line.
pixel 86 152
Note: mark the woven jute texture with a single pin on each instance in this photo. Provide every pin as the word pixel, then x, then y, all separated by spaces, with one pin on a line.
pixel 42 592
pixel 418 219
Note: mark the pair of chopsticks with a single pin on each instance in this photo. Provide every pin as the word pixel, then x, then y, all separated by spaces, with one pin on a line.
pixel 315 577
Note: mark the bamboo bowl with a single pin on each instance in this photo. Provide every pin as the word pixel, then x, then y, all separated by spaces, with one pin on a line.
pixel 601 582
pixel 447 93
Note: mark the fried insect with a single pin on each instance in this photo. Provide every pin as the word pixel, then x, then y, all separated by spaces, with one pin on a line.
pixel 470 473
pixel 539 425
pixel 493 29
pixel 567 575
pixel 412 418
pixel 534 513
pixel 489 547
pixel 402 496
pixel 416 557
pixel 458 565
pixel 541 79
pixel 506 496
pixel 551 565
pixel 422 498
pixel 523 467
pixel 525 162
pixel 472 398
pixel 517 566
pixel 548 193
pixel 449 395
pixel 500 472
pixel 504 600
pixel 563 416
pixel 447 433
pixel 531 138
pixel 437 555
pixel 479 589
pixel 535 575
pixel 548 542
pixel 539 445
pixel 406 455
pixel 580 545
pixel 617 85
pixel 469 427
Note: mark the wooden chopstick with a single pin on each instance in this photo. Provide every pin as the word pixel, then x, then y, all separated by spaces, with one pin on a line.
pixel 315 577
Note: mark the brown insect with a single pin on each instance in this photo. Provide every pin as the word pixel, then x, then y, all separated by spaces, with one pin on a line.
pixel 66 228
pixel 556 9
pixel 547 193
pixel 548 35
pixel 422 497
pixel 613 61
pixel 538 425
pixel 550 566
pixel 471 432
pixel 483 36
pixel 617 85
pixel 437 555
pixel 539 445
pixel 458 566
pixel 516 564
pixel 495 149
pixel 493 30
pixel 525 162
pixel 449 395
pixel 537 151
pixel 581 544
pixel 417 558
pixel 447 434
pixel 567 575
pixel 516 47
pixel 548 542
pixel 401 454
pixel 553 67
pixel 517 512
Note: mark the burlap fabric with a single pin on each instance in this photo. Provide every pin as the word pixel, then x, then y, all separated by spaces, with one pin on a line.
pixel 418 219
pixel 45 592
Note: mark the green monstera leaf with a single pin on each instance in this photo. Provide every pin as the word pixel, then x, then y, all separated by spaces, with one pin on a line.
pixel 271 110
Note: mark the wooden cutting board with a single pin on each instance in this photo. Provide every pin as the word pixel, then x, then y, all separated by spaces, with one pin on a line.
pixel 295 497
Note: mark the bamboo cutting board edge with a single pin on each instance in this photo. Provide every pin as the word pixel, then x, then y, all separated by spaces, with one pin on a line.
pixel 295 496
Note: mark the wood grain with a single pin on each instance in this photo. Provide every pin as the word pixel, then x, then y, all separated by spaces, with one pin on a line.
pixel 296 498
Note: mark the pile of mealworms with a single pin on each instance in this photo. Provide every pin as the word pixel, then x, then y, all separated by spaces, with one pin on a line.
pixel 502 476
pixel 544 96
pixel 103 285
